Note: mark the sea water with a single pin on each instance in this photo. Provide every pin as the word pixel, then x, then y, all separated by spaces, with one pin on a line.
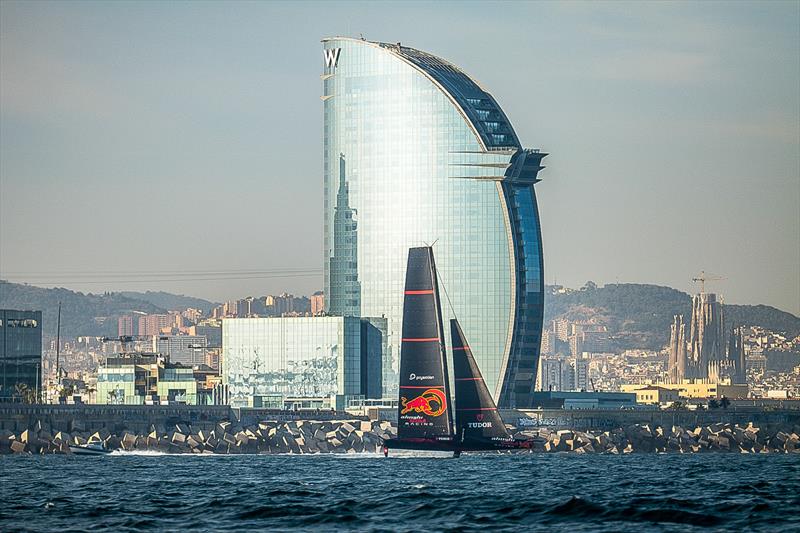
pixel 638 492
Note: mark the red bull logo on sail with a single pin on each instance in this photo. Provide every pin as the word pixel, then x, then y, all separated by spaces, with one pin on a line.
pixel 432 402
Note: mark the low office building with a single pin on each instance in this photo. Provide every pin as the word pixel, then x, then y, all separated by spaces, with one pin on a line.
pixel 177 385
pixel 188 350
pixel 584 400
pixel 20 353
pixel 145 379
pixel 301 362
pixel 698 389
pixel 656 395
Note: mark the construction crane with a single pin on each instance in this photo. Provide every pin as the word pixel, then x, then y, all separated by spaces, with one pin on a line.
pixel 702 278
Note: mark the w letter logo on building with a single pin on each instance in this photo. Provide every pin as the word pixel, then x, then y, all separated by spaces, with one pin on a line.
pixel 331 57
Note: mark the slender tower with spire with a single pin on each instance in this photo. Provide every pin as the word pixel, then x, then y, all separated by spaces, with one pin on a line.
pixel 345 297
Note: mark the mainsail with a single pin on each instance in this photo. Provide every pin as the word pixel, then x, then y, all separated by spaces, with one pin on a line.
pixel 424 410
pixel 476 413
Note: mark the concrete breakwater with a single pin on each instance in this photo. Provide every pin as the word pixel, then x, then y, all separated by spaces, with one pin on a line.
pixel 644 438
pixel 358 436
pixel 299 437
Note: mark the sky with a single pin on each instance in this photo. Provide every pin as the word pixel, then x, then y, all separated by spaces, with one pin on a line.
pixel 178 146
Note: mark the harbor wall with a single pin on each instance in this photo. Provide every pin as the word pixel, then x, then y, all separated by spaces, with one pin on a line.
pixel 141 418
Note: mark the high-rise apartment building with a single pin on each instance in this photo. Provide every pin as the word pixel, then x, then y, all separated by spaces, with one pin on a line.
pixel 317 303
pixel 416 152
pixel 152 324
pixel 125 325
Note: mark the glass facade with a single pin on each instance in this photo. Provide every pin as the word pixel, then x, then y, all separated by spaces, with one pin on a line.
pixel 20 351
pixel 188 350
pixel 267 360
pixel 416 153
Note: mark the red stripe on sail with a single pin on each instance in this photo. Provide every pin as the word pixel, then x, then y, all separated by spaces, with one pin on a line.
pixel 427 291
pixel 461 348
pixel 469 379
pixel 427 339
pixel 477 409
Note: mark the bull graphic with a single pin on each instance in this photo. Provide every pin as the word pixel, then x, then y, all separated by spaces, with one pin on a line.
pixel 432 402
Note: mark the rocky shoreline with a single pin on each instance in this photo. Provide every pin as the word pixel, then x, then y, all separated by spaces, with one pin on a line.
pixel 356 436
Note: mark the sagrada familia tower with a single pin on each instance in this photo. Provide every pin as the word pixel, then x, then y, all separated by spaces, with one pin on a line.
pixel 708 354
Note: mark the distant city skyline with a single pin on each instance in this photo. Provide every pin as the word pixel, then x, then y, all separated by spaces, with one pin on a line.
pixel 178 147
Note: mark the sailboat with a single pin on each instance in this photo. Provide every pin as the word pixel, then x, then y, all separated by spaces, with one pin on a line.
pixel 425 410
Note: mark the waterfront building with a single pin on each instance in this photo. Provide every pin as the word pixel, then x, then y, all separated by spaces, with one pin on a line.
pixel 415 152
pixel 20 352
pixel 177 385
pixel 144 379
pixel 656 395
pixel 583 400
pixel 279 362
pixel 698 389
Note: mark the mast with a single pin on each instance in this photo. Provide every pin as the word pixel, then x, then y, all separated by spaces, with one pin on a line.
pixel 477 418
pixel 424 410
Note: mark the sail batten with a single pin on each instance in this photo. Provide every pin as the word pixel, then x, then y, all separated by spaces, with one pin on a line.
pixel 424 410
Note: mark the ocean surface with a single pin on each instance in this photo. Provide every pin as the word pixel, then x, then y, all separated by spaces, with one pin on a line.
pixel 129 492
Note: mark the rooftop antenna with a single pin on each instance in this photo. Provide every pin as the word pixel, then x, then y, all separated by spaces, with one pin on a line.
pixel 362 36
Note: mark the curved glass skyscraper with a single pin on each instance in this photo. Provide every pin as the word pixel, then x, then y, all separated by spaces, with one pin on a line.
pixel 416 153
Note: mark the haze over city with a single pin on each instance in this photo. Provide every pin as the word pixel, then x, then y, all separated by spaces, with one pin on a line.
pixel 408 266
pixel 178 146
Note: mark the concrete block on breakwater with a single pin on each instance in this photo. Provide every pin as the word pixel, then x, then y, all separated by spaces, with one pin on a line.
pixel 297 437
pixel 643 438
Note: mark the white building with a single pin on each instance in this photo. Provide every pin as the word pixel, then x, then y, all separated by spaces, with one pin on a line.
pixel 300 361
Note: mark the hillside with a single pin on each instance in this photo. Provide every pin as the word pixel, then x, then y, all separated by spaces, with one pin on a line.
pixel 640 316
pixel 168 301
pixel 81 314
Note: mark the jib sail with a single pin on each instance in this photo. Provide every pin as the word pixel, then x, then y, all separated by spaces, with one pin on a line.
pixel 476 413
pixel 424 410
